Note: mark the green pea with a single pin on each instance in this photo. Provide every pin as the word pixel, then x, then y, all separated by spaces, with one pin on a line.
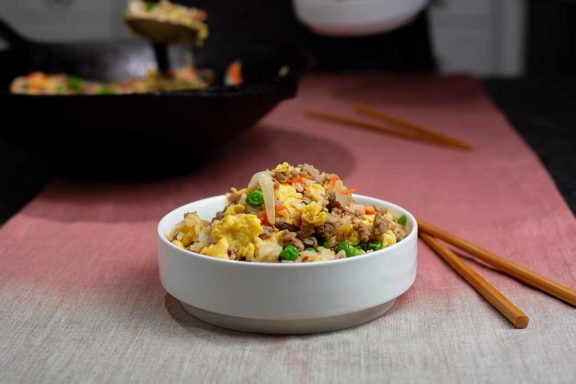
pixel 374 246
pixel 324 244
pixel 75 84
pixel 150 5
pixel 255 198
pixel 311 250
pixel 290 253
pixel 402 220
pixel 353 251
pixel 349 249
pixel 343 246
pixel 106 90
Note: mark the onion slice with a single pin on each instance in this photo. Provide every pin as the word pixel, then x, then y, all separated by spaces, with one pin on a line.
pixel 264 180
pixel 341 198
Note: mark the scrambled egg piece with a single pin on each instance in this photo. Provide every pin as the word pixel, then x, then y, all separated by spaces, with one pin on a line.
pixel 388 239
pixel 282 168
pixel 241 231
pixel 234 209
pixel 238 192
pixel 291 199
pixel 313 214
pixel 369 219
pixel 345 230
pixel 218 250
pixel 354 239
pixel 248 252
pixel 178 243
pixel 287 194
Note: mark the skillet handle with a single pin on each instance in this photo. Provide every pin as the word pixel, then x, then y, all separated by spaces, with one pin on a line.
pixel 13 38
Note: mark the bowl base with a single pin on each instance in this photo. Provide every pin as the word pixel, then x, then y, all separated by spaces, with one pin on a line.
pixel 290 327
pixel 365 29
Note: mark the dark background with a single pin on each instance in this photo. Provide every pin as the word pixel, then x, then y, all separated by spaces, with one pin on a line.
pixel 551 38
pixel 273 22
pixel 550 33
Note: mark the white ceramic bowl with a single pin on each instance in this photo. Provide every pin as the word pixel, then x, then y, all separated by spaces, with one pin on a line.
pixel 288 298
pixel 356 17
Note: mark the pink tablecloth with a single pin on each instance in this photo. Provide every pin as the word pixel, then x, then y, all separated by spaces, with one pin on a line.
pixel 80 297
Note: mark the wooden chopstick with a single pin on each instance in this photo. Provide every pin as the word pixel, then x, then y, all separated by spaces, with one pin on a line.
pixel 508 267
pixel 349 121
pixel 424 132
pixel 487 291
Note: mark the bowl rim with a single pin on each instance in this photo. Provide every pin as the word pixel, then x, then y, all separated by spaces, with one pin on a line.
pixel 413 234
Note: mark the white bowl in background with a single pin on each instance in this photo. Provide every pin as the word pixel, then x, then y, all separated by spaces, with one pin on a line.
pixel 286 298
pixel 356 17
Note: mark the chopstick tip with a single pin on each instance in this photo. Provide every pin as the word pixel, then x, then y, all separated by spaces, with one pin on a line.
pixel 521 322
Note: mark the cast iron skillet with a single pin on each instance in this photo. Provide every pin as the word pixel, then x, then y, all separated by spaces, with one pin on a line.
pixel 113 135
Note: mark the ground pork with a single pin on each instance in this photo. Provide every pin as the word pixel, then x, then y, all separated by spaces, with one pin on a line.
pixel 325 177
pixel 232 198
pixel 310 242
pixel 267 232
pixel 233 253
pixel 380 226
pixel 355 210
pixel 330 227
pixel 363 232
pixel 281 224
pixel 305 233
pixel 337 212
pixel 281 177
pixel 381 210
pixel 332 202
pixel 291 238
pixel 219 216
pixel 311 171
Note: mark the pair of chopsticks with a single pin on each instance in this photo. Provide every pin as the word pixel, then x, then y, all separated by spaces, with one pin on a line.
pixel 394 126
pixel 430 234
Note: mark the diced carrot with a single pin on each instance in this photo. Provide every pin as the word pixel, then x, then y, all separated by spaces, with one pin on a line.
pixel 332 182
pixel 369 211
pixel 234 73
pixel 349 191
pixel 298 179
pixel 200 15
pixel 264 218
pixel 36 76
pixel 280 208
